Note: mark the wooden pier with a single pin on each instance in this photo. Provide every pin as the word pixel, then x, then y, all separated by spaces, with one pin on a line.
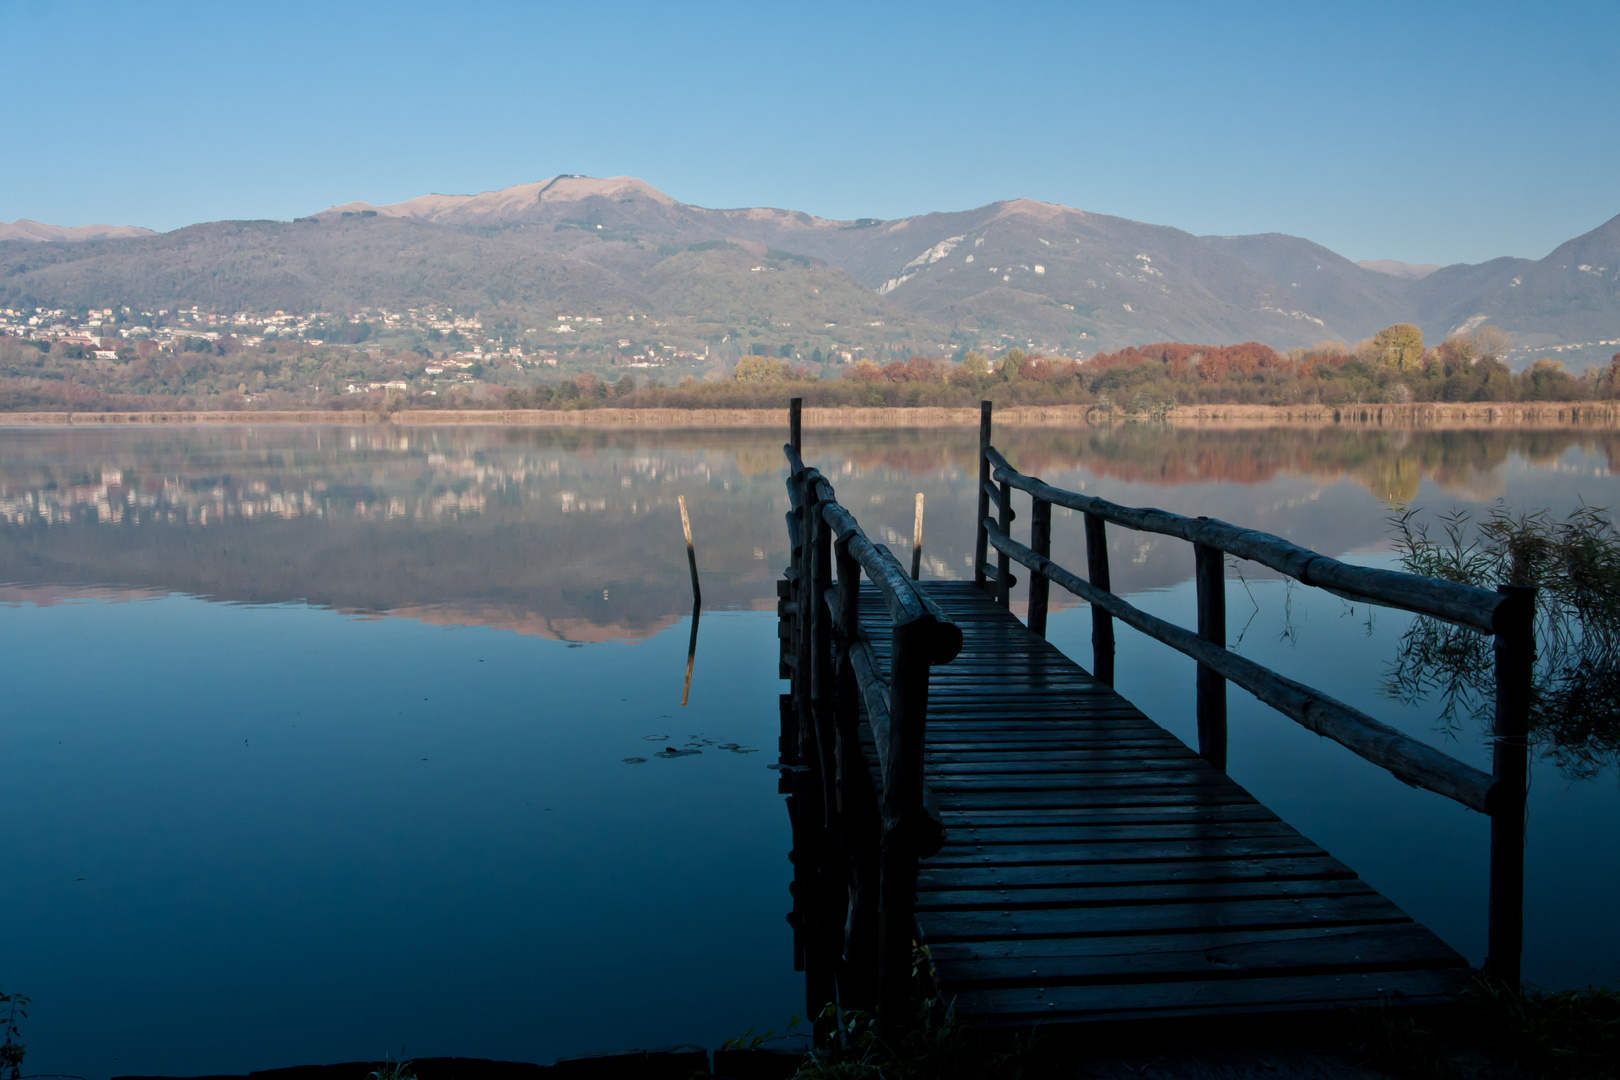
pixel 977 816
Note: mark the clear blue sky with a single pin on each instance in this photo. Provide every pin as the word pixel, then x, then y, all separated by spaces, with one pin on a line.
pixel 1430 132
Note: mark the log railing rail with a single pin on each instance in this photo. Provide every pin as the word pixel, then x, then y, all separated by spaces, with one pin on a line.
pixel 878 835
pixel 1507 614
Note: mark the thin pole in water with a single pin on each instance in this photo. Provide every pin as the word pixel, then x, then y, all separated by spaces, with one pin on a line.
pixel 691 655
pixel 916 541
pixel 691 556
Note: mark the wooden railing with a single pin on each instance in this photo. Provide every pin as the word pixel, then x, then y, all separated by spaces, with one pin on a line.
pixel 871 840
pixel 1507 613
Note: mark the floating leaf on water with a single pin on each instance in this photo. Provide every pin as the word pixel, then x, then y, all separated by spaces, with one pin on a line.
pixel 746 750
pixel 728 746
pixel 670 752
pixel 775 765
pixel 655 738
pixel 635 761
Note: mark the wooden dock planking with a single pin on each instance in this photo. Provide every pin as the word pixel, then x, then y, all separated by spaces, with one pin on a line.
pixel 1096 869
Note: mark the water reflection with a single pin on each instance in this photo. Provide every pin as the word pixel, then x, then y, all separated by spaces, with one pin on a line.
pixel 550 532
pixel 280 789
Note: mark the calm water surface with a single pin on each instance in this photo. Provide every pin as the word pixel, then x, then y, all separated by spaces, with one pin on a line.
pixel 321 744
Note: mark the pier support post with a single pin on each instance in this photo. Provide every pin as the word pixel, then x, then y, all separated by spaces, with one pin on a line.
pixel 1040 586
pixel 903 820
pixel 1209 570
pixel 859 823
pixel 1004 518
pixel 1515 647
pixel 1102 623
pixel 832 889
pixel 981 538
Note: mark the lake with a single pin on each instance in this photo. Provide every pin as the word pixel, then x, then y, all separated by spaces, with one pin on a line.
pixel 328 743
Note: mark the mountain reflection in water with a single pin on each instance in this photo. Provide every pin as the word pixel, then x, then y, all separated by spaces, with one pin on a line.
pixel 574 533
pixel 254 833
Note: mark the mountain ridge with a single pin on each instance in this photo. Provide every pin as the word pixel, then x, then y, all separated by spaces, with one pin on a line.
pixel 39 232
pixel 1017 271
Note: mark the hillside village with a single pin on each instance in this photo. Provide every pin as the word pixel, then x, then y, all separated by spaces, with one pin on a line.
pixel 606 274
pixel 556 290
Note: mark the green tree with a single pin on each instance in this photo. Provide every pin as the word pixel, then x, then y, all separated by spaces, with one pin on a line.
pixel 976 364
pixel 758 369
pixel 1013 359
pixel 1400 346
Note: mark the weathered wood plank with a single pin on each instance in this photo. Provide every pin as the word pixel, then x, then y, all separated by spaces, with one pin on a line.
pixel 1142 851
pixel 1099 834
pixel 1089 851
pixel 1131 1001
pixel 1075 875
pixel 1003 899
pixel 1116 815
pixel 1175 957
pixel 1362 909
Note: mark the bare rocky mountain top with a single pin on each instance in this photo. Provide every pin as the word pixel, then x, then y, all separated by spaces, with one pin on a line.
pixel 1396 268
pixel 23 229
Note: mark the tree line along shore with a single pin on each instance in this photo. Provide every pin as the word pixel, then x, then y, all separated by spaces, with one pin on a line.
pixel 1393 369
pixel 1597 415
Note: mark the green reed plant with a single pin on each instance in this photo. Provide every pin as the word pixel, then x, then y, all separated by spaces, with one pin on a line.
pixel 12 1050
pixel 1574 563
pixel 1572 1035
pixel 934 1046
pixel 393 1069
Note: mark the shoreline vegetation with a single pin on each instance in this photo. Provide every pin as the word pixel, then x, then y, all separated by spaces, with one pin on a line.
pixel 1392 370
pixel 1597 415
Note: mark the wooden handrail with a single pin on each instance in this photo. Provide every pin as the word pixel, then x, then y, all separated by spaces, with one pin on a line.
pixel 906 602
pixel 1507 614
pixel 836 678
pixel 1463 605
pixel 1406 758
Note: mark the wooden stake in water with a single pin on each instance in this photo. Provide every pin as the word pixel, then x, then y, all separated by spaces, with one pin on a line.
pixel 691 655
pixel 916 542
pixel 691 556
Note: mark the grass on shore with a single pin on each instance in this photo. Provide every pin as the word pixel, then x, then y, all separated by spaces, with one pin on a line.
pixel 1571 1035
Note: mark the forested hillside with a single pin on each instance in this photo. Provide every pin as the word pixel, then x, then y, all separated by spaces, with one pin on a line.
pixel 1023 274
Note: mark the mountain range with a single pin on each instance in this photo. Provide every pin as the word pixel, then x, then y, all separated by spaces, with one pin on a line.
pixel 1013 272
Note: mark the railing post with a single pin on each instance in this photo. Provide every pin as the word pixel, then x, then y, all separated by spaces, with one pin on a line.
pixel 795 426
pixel 1102 623
pixel 832 901
pixel 1515 648
pixel 1004 518
pixel 981 541
pixel 903 818
pixel 818 543
pixel 1209 572
pixel 859 823
pixel 811 786
pixel 1040 586
pixel 801 640
pixel 790 627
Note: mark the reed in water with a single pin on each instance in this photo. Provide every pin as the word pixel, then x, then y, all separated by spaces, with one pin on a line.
pixel 1574 564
